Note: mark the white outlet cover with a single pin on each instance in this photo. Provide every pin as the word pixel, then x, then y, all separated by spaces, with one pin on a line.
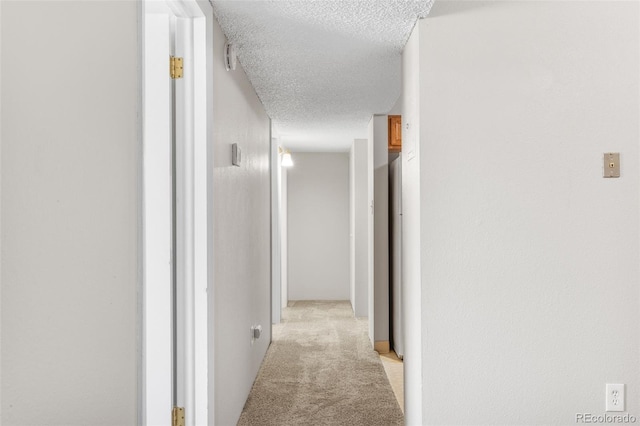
pixel 615 397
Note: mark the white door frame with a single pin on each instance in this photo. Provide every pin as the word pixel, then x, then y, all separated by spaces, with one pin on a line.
pixel 155 364
pixel 276 234
pixel 193 124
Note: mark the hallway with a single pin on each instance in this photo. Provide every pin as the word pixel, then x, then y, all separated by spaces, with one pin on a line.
pixel 320 369
pixel 520 299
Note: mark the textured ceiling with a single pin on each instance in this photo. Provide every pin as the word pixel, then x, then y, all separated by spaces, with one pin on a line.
pixel 321 67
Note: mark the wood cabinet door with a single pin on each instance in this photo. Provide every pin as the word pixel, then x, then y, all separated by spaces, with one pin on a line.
pixel 395 133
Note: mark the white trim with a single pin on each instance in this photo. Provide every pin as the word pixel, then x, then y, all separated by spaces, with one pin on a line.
pixel 276 248
pixel 205 414
pixel 284 236
pixel 202 94
pixel 155 390
pixel 194 102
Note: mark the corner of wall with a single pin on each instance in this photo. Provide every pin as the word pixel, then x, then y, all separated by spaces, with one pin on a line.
pixel 411 248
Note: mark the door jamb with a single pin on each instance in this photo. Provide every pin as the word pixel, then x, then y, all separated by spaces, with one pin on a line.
pixel 200 383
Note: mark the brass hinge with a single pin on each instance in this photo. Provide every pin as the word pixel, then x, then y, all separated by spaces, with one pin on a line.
pixel 177 416
pixel 175 67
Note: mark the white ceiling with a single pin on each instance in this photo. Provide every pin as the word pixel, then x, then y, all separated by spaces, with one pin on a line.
pixel 321 67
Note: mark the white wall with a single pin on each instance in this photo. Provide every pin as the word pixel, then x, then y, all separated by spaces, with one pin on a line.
pixel 276 233
pixel 284 237
pixel 379 310
pixel 318 226
pixel 1 405
pixel 241 237
pixel 361 214
pixel 370 243
pixel 530 272
pixel 352 227
pixel 397 108
pixel 411 269
pixel 370 230
pixel 70 195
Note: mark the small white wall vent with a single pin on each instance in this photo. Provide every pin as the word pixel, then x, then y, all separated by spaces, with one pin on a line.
pixel 230 57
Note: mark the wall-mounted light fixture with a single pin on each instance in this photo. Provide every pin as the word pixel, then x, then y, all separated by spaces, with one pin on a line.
pixel 287 161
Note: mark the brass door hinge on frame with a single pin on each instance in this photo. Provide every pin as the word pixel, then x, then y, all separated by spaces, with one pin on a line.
pixel 177 416
pixel 175 67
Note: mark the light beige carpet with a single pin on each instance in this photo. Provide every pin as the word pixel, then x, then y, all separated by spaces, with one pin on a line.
pixel 321 370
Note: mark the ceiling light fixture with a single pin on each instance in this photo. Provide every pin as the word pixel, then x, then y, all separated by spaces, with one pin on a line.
pixel 287 161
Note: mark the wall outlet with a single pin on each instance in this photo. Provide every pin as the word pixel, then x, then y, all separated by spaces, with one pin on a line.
pixel 615 397
pixel 256 332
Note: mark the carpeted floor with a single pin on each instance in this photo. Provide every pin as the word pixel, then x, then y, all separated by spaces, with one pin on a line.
pixel 321 370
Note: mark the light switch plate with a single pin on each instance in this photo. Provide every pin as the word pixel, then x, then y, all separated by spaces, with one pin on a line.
pixel 236 155
pixel 611 166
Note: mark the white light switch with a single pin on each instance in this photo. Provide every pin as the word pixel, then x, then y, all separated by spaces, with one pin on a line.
pixel 615 397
